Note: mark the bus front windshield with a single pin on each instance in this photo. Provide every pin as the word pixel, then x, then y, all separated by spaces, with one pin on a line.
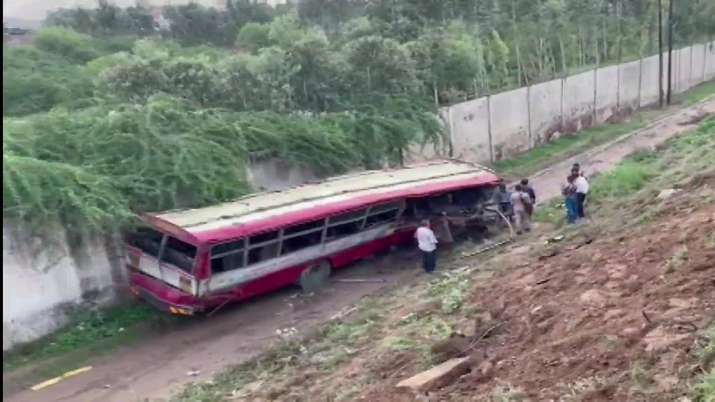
pixel 174 252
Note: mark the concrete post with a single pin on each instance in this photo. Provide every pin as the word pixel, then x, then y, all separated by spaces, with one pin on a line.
pixel 705 58
pixel 640 81
pixel 451 132
pixel 563 89
pixel 595 95
pixel 528 116
pixel 690 73
pixel 489 128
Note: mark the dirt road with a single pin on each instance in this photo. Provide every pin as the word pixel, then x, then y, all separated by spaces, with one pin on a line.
pixel 158 366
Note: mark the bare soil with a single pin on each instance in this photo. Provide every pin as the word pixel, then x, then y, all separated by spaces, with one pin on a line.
pixel 552 331
pixel 610 319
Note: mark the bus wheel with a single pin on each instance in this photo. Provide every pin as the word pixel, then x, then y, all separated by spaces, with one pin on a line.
pixel 315 276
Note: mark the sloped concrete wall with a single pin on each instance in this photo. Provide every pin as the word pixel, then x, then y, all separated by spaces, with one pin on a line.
pixel 510 123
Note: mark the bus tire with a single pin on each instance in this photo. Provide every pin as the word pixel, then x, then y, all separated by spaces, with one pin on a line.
pixel 315 276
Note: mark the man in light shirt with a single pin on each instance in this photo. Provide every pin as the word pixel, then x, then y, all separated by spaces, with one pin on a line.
pixel 427 243
pixel 582 188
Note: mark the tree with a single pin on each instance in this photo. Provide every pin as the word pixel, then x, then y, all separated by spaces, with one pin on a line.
pixel 379 64
pixel 253 37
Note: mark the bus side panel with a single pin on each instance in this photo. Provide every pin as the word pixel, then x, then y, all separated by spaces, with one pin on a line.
pixel 351 255
pixel 269 283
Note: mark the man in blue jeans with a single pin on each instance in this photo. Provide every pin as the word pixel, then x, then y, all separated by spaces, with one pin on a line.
pixel 427 243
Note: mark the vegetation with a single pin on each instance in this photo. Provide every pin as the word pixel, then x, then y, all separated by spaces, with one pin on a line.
pixel 108 103
pixel 88 335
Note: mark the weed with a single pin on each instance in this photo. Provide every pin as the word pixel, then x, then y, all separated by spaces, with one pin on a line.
pixel 704 391
pixel 396 343
pixel 627 178
pixel 677 260
pixel 506 392
pixel 86 329
pixel 575 390
pixel 701 92
pixel 641 376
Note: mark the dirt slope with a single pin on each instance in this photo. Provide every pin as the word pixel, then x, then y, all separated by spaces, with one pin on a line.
pixel 599 315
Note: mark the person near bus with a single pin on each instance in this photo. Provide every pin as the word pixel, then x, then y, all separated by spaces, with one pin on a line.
pixel 521 202
pixel 427 243
pixel 532 195
pixel 582 188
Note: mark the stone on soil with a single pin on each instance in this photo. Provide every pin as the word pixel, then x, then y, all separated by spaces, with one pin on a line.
pixel 437 376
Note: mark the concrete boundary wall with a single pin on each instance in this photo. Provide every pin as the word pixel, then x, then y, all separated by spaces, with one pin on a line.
pixel 509 123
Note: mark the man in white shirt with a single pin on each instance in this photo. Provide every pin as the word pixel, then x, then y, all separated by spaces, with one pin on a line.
pixel 582 188
pixel 427 243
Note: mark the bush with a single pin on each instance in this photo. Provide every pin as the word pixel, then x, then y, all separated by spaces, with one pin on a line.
pixel 73 46
pixel 36 81
pixel 253 37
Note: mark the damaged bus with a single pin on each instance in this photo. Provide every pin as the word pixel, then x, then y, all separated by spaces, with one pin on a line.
pixel 194 260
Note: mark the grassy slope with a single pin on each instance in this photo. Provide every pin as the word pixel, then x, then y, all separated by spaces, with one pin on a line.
pixel 402 324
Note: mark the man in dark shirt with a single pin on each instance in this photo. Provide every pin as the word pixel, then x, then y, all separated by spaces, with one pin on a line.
pixel 529 190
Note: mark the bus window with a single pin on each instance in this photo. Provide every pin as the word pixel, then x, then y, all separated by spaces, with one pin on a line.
pixel 346 224
pixel 344 229
pixel 304 227
pixel 380 218
pixel 302 241
pixel 262 253
pixel 262 238
pixel 147 240
pixel 351 216
pixel 226 248
pixel 300 236
pixel 227 256
pixel 179 254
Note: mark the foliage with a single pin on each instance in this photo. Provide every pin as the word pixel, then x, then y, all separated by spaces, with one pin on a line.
pixel 75 47
pixel 253 36
pixel 35 80
pixel 97 166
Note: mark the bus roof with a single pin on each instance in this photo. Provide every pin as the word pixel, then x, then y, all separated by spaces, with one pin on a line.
pixel 271 210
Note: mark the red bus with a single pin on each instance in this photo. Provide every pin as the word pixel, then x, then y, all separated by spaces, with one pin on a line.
pixel 188 261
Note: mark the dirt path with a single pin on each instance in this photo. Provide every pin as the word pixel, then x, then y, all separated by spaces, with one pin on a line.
pixel 158 366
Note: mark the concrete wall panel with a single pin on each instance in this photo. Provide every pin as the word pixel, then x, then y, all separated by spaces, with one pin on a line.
pixel 607 93
pixel 44 278
pixel 710 62
pixel 545 104
pixel 629 86
pixel 649 81
pixel 510 123
pixel 578 101
pixel 698 64
pixel 470 137
pixel 683 70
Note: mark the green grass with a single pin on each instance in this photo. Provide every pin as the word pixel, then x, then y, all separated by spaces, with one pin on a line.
pixel 704 389
pixel 698 93
pixel 91 334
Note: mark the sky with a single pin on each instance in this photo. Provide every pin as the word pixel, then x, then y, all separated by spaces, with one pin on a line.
pixel 37 9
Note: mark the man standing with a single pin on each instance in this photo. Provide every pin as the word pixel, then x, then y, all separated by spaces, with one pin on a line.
pixel 532 195
pixel 520 202
pixel 427 243
pixel 503 198
pixel 582 188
